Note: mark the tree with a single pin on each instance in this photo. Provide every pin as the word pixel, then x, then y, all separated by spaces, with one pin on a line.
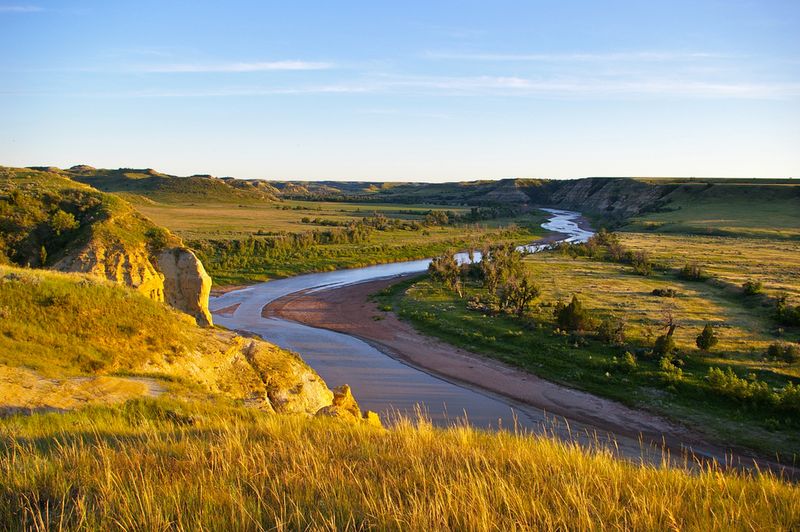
pixel 664 345
pixel 692 271
pixel 707 339
pixel 572 317
pixel 752 287
pixel 446 270
pixel 63 221
pixel 518 293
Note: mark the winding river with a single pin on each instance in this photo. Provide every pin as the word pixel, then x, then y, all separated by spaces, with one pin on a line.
pixel 378 381
pixel 391 387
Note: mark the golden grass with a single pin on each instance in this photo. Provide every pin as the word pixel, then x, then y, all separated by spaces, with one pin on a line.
pixel 776 263
pixel 216 220
pixel 612 289
pixel 135 468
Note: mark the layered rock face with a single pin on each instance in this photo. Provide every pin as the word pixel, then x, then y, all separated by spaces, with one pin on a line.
pixel 129 267
pixel 178 278
pixel 624 197
pixel 186 283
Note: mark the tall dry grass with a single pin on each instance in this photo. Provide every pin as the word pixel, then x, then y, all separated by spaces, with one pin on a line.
pixel 153 466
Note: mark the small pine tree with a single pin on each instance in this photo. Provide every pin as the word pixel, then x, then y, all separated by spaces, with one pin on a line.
pixel 572 317
pixel 42 256
pixel 707 339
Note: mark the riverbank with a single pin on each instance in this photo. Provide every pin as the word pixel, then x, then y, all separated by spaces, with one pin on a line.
pixel 349 310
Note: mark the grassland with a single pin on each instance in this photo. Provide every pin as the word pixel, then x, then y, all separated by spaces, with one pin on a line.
pixel 220 231
pixel 744 326
pixel 197 220
pixel 162 464
pixel 745 209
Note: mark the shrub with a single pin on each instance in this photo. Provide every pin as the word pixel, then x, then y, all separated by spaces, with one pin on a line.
pixel 692 271
pixel 572 317
pixel 707 339
pixel 665 292
pixel 629 362
pixel 157 238
pixel 784 351
pixel 664 345
pixel 517 294
pixel 611 331
pixel 62 221
pixel 670 373
pixel 640 260
pixel 752 288
pixel 785 313
pixel 445 269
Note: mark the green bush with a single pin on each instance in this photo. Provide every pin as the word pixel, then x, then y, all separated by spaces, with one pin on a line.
pixel 629 362
pixel 572 317
pixel 784 351
pixel 670 373
pixel 611 331
pixel 707 339
pixel 785 313
pixel 692 271
pixel 664 292
pixel 664 345
pixel 752 287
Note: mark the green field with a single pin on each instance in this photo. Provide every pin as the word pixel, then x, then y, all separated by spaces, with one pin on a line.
pixel 744 326
pixel 225 234
pixel 733 210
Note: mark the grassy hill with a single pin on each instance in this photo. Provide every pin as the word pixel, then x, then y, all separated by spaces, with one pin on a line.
pixel 63 335
pixel 44 216
pixel 156 186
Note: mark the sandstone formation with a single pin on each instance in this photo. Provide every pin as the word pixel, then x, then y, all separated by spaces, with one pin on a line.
pixel 186 284
pixel 123 265
pixel 345 407
pixel 177 278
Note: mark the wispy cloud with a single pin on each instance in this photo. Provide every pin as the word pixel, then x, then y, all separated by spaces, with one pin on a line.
pixel 262 66
pixel 645 56
pixel 20 9
pixel 595 87
pixel 584 88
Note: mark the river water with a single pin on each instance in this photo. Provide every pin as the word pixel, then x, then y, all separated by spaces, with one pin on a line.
pixel 379 382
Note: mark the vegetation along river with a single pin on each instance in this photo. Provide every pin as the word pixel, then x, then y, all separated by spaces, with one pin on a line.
pixel 391 384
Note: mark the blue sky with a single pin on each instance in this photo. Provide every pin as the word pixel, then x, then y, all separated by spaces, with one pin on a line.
pixel 413 90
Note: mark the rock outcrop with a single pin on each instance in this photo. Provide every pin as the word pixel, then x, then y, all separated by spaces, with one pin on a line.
pixel 345 407
pixel 123 265
pixel 186 285
pixel 177 278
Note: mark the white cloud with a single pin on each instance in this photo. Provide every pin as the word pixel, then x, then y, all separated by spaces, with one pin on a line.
pixel 578 57
pixel 646 56
pixel 263 66
pixel 20 9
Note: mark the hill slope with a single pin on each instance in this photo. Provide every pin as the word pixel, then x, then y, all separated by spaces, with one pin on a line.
pixel 66 338
pixel 48 220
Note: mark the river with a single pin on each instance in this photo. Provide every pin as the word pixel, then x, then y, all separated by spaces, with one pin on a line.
pixel 379 382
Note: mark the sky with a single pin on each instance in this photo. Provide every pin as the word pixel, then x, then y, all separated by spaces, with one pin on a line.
pixel 404 90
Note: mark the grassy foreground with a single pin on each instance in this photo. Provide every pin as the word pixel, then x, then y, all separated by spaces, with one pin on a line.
pixel 153 465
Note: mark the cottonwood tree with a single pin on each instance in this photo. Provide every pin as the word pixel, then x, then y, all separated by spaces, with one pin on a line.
pixel 517 294
pixel 446 270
